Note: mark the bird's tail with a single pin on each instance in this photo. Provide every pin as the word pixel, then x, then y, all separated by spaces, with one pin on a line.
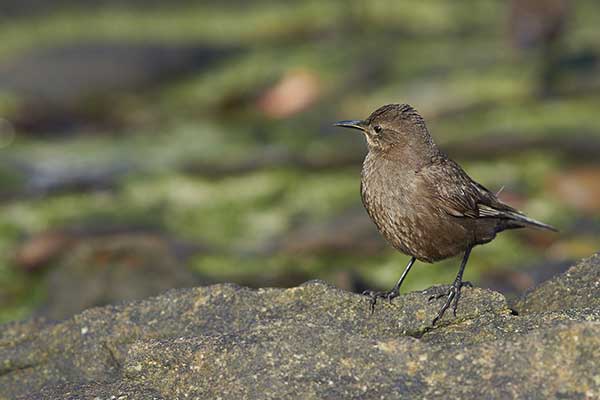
pixel 526 221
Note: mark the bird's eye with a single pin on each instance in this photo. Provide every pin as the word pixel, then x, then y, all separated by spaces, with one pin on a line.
pixel 377 128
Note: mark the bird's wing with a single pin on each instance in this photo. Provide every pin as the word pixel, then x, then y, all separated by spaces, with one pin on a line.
pixel 460 196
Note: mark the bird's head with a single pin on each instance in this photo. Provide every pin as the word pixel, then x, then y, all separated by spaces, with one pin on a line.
pixel 394 126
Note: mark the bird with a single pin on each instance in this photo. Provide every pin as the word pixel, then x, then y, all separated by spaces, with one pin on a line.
pixel 422 202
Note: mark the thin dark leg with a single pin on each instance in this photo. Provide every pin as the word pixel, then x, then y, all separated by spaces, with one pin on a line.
pixel 455 289
pixel 392 293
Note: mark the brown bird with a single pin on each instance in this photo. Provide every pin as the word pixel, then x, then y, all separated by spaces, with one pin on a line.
pixel 422 202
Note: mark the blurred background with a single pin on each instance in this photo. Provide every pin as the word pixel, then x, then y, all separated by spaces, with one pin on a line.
pixel 146 145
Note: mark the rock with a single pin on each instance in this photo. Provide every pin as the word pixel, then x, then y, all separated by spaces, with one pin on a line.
pixel 100 391
pixel 112 268
pixel 313 341
pixel 41 249
pixel 56 85
pixel 514 283
pixel 350 232
pixel 537 22
pixel 578 288
pixel 33 8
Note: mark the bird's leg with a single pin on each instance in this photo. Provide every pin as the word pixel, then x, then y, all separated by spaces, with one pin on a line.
pixel 438 292
pixel 389 295
pixel 453 294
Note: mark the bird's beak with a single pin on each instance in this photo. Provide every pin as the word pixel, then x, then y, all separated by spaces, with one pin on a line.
pixel 354 124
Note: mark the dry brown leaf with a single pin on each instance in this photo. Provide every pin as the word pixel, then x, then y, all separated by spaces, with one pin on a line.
pixel 296 91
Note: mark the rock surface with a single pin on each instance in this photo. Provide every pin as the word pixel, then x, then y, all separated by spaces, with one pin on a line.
pixel 314 341
pixel 113 268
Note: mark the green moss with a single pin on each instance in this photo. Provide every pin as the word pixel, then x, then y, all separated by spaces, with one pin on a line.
pixel 224 24
pixel 11 180
pixel 453 62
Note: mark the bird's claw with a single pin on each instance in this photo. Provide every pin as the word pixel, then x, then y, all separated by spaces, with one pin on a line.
pixel 373 296
pixel 441 291
pixel 436 296
pixel 453 294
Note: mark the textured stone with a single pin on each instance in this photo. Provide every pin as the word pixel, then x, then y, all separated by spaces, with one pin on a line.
pixel 579 287
pixel 314 341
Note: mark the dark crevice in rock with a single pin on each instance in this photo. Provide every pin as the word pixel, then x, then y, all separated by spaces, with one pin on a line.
pixel 113 356
pixel 16 368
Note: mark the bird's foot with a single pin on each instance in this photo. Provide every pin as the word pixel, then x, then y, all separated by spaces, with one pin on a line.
pixel 452 296
pixel 438 292
pixel 373 296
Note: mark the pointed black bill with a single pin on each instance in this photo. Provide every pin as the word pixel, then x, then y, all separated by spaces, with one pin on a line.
pixel 354 124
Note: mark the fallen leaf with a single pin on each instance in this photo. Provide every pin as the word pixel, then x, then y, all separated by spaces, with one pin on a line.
pixel 296 91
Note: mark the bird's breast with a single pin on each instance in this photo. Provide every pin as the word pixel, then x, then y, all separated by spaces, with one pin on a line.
pixel 389 199
pixel 404 215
